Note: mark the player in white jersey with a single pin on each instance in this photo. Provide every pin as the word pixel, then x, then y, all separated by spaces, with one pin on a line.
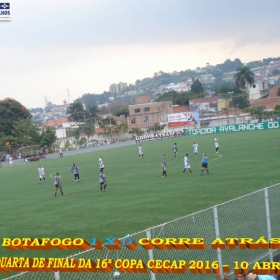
pixel 57 185
pixel 195 149
pixel 187 163
pixel 60 153
pixel 102 181
pixel 216 141
pixel 141 153
pixel 41 172
pixel 101 165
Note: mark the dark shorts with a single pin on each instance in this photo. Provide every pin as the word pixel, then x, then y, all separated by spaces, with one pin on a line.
pixel 204 165
pixel 58 186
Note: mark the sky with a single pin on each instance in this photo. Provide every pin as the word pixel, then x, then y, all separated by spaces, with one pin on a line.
pixel 50 48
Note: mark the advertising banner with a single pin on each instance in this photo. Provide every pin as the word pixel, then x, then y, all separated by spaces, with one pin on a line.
pixel 183 119
pixel 156 136
pixel 233 128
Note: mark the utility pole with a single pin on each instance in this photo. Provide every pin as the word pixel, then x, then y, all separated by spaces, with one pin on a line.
pixel 229 99
pixel 68 96
pixel 108 106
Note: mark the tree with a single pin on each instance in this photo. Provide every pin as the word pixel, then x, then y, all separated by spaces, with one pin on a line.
pixel 92 112
pixel 76 133
pixel 256 112
pixel 122 111
pixel 25 132
pixel 88 129
pixel 136 131
pixel 108 121
pixel 123 127
pixel 197 87
pixel 11 111
pixel 47 137
pixel 76 110
pixel 244 78
pixel 278 92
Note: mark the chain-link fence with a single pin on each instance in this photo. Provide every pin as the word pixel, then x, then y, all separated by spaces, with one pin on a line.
pixel 250 216
pixel 10 149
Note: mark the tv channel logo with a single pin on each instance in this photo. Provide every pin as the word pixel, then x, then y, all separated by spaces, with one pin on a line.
pixel 5 11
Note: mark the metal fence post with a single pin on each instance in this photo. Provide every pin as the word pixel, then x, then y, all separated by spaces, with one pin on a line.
pixel 151 255
pixel 56 275
pixel 217 232
pixel 268 221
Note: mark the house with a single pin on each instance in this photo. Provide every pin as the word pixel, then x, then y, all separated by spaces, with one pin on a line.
pixel 259 89
pixel 211 104
pixel 145 114
pixel 270 101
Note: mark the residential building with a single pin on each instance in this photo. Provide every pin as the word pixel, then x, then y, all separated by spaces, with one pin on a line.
pixel 212 104
pixel 118 88
pixel 145 114
pixel 269 102
pixel 258 89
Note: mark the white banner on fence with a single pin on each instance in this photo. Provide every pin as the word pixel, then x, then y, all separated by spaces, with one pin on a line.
pixel 156 136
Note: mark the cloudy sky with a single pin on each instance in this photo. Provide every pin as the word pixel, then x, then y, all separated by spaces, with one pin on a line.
pixel 84 46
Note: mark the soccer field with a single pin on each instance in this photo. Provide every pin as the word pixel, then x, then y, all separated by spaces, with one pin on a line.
pixel 136 196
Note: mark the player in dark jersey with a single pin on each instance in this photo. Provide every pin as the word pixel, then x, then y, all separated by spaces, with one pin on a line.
pixel 75 171
pixel 175 150
pixel 163 164
pixel 204 164
pixel 57 185
pixel 102 181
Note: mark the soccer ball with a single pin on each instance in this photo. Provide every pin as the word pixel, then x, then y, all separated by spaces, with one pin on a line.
pixel 116 275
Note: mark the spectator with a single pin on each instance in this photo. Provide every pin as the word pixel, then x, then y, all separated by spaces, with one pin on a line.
pixel 239 276
pixel 252 276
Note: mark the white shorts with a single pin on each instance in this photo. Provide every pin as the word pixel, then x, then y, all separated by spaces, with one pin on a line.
pixel 187 166
pixel 42 176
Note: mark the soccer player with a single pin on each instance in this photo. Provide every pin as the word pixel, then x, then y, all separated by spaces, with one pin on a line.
pixel 41 172
pixel 187 163
pixel 75 171
pixel 101 165
pixel 102 181
pixel 141 153
pixel 216 140
pixel 57 184
pixel 60 153
pixel 204 163
pixel 175 150
pixel 163 164
pixel 195 148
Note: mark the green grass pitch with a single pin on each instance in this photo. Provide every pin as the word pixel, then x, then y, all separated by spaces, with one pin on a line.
pixel 136 196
